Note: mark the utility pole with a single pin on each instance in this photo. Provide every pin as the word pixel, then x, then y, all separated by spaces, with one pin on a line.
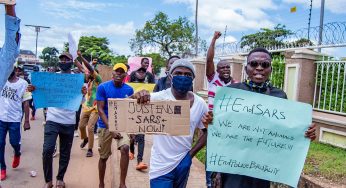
pixel 37 30
pixel 321 25
pixel 309 20
pixel 196 25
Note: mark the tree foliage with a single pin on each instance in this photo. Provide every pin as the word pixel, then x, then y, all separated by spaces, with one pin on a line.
pixel 169 36
pixel 266 37
pixel 50 57
pixel 92 46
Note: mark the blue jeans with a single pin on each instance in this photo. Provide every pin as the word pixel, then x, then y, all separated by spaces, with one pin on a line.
pixel 177 178
pixel 14 131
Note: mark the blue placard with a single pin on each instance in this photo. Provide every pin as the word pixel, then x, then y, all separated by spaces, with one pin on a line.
pixel 57 90
pixel 258 135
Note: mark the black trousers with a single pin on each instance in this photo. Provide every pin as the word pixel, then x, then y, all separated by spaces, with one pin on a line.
pixel 139 138
pixel 51 131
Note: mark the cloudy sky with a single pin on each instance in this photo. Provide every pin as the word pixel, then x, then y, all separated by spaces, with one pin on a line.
pixel 117 20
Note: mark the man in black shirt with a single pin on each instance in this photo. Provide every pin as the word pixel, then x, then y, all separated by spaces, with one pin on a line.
pixel 142 75
pixel 258 69
pixel 165 82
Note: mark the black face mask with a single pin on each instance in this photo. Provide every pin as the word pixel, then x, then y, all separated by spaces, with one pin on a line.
pixel 65 66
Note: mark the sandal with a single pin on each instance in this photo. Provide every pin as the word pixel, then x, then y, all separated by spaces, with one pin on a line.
pixel 48 185
pixel 60 184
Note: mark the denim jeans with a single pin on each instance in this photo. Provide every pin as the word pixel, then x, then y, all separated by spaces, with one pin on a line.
pixel 51 131
pixel 177 178
pixel 13 128
pixel 140 141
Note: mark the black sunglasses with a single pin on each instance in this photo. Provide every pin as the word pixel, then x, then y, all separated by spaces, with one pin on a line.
pixel 255 64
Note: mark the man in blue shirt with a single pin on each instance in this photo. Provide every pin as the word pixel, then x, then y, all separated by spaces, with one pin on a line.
pixel 10 49
pixel 115 88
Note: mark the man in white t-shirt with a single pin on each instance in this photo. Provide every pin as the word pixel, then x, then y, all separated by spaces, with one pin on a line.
pixel 13 95
pixel 171 156
pixel 60 122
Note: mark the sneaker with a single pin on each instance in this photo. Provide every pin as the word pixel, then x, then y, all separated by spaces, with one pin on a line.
pixel 3 175
pixel 141 166
pixel 131 155
pixel 84 143
pixel 16 161
pixel 89 153
pixel 76 134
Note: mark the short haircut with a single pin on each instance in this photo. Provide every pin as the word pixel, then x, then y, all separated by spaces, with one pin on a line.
pixel 144 58
pixel 260 50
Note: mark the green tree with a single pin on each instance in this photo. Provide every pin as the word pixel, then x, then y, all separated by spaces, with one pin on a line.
pixel 158 61
pixel 50 57
pixel 266 37
pixel 120 59
pixel 169 36
pixel 91 47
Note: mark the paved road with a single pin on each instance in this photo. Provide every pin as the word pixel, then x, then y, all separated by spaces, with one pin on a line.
pixel 82 171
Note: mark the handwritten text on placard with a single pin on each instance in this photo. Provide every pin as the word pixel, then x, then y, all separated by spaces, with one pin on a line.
pixel 258 135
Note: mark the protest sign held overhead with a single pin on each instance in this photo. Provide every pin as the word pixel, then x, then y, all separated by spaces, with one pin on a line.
pixel 157 117
pixel 57 90
pixel 258 135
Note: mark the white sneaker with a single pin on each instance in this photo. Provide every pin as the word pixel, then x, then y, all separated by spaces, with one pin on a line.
pixel 76 134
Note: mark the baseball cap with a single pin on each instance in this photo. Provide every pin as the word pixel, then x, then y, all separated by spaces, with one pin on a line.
pixel 120 65
pixel 183 63
pixel 66 54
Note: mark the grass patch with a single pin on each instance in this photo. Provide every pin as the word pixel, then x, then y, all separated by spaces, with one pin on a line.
pixel 322 160
pixel 326 161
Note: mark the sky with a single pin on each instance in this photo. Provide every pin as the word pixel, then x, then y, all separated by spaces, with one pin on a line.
pixel 117 20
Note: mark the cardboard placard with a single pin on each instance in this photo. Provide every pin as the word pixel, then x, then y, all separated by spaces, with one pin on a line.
pixel 157 117
pixel 8 2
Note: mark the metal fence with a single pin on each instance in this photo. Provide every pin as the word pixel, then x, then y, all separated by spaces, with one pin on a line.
pixel 330 86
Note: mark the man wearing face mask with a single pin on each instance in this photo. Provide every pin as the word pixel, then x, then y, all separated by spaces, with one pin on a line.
pixel 171 156
pixel 165 82
pixel 89 114
pixel 10 50
pixel 115 88
pixel 12 97
pixel 60 122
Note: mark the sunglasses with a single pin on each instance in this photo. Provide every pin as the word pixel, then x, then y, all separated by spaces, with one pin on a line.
pixel 255 64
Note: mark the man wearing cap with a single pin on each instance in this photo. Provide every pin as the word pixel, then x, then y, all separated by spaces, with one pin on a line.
pixel 171 156
pixel 60 122
pixel 10 49
pixel 89 114
pixel 115 88
pixel 142 75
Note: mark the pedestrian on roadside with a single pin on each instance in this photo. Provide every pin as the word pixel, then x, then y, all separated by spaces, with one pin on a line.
pixel 89 115
pixel 13 96
pixel 171 156
pixel 140 76
pixel 115 88
pixel 10 50
pixel 60 122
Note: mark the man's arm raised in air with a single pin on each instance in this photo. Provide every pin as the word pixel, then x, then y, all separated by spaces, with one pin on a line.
pixel 210 55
